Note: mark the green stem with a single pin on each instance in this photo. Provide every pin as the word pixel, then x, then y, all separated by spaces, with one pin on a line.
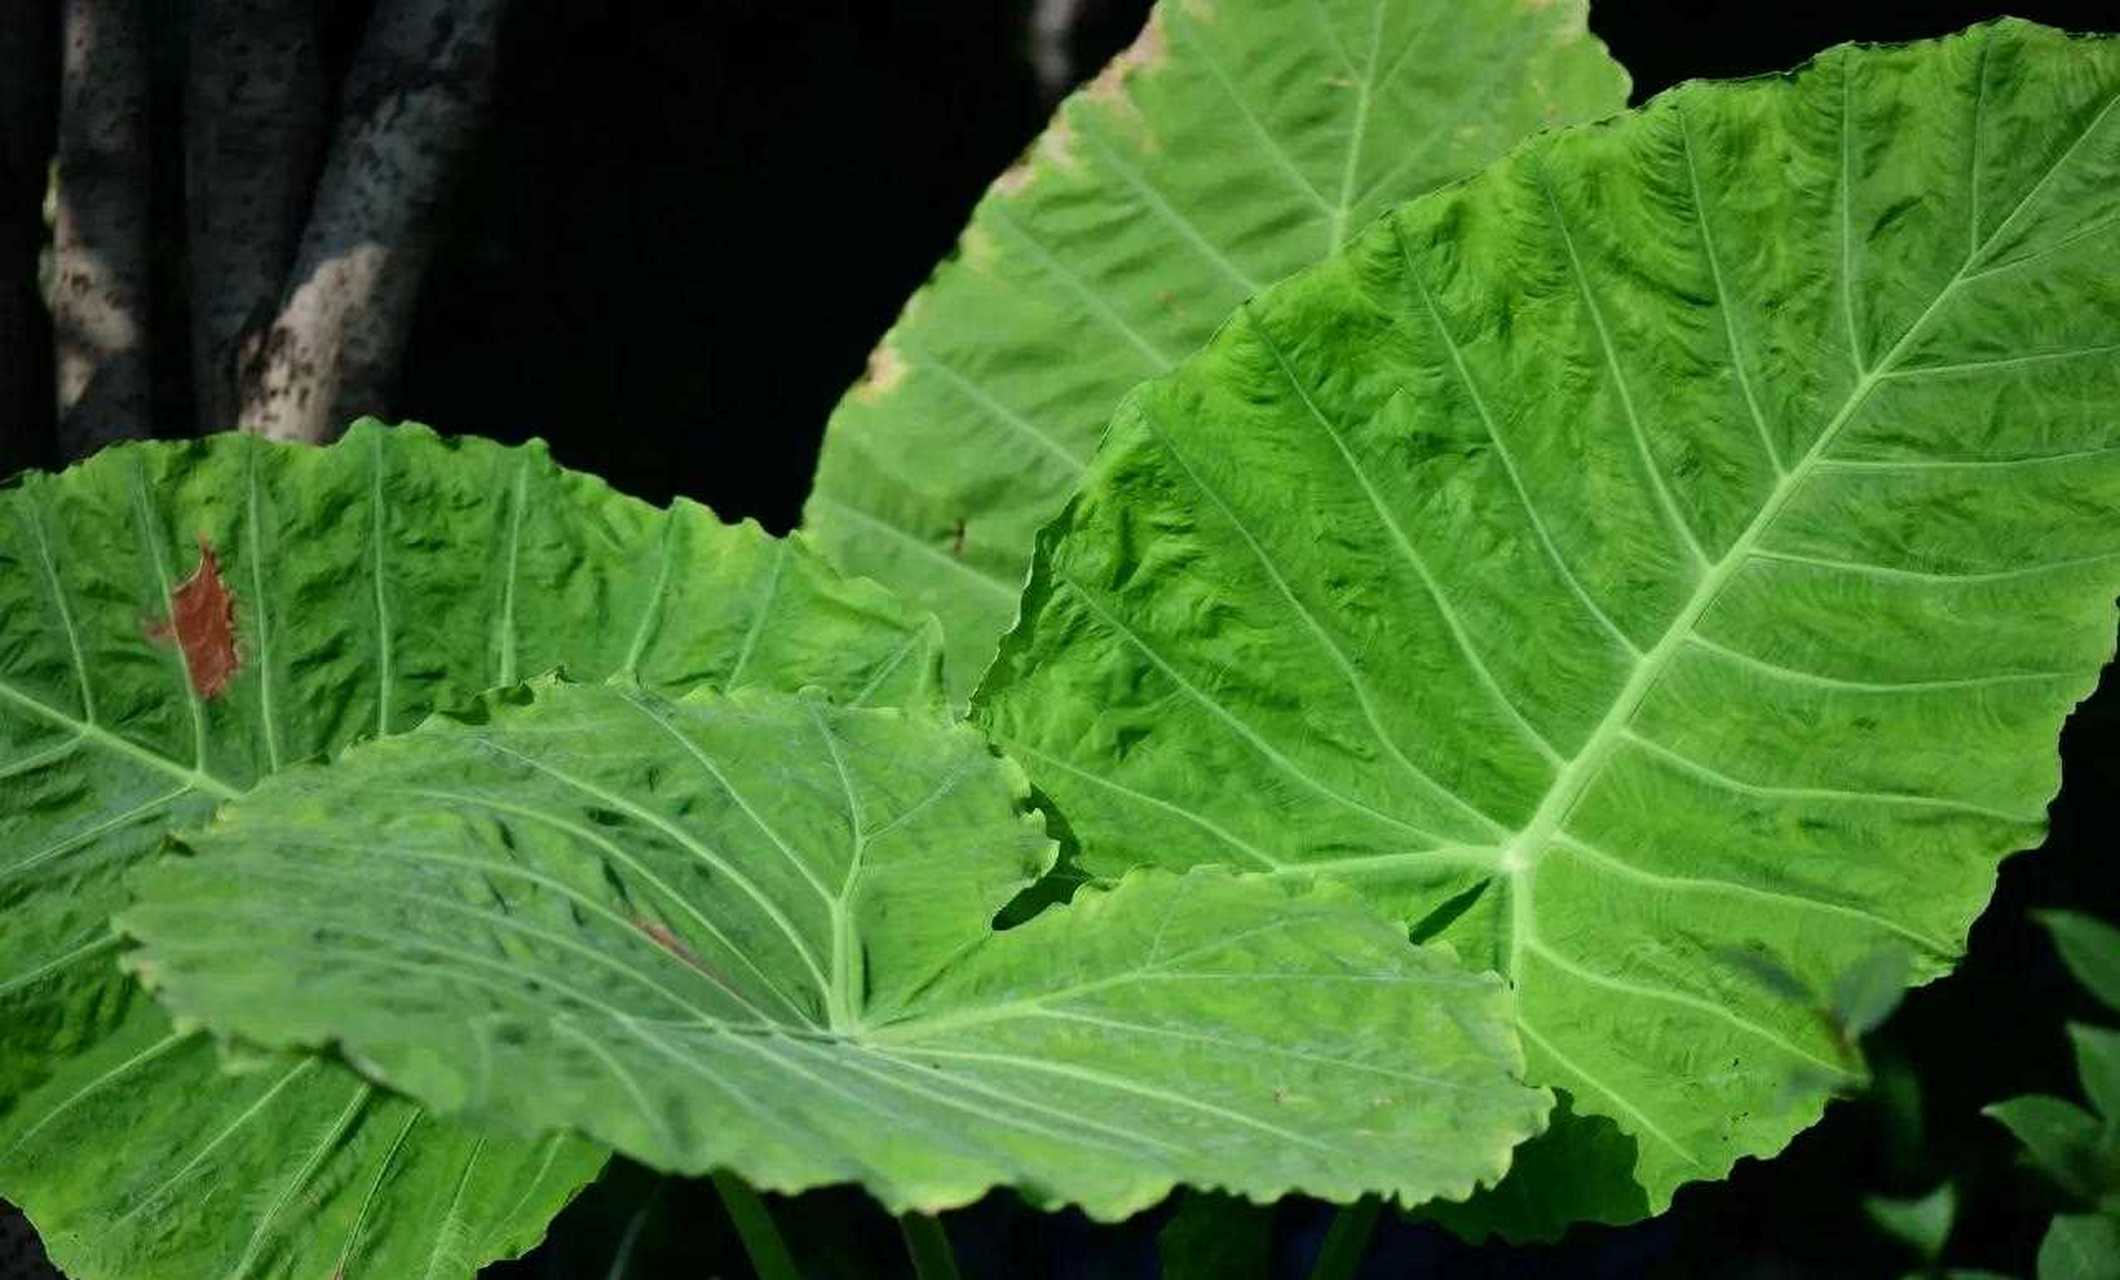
pixel 929 1245
pixel 1347 1240
pixel 754 1226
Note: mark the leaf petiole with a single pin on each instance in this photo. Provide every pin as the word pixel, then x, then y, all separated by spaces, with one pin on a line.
pixel 769 1254
pixel 929 1246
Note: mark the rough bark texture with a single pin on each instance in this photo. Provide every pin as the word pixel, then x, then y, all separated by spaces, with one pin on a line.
pixel 100 283
pixel 255 121
pixel 413 102
pixel 29 73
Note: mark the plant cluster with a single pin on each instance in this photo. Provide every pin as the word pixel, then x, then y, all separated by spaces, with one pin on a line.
pixel 1375 756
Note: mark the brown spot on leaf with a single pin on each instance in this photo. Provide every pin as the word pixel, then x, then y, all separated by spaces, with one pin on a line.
pixel 1146 53
pixel 1056 147
pixel 886 370
pixel 202 623
pixel 670 942
pixel 662 936
pixel 957 538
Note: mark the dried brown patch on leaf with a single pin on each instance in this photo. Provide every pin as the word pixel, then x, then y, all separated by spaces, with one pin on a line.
pixel 663 936
pixel 885 371
pixel 670 942
pixel 1148 51
pixel 1108 91
pixel 202 622
pixel 1055 146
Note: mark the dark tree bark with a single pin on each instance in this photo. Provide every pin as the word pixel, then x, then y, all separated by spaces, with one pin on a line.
pixel 29 76
pixel 101 235
pixel 412 108
pixel 254 136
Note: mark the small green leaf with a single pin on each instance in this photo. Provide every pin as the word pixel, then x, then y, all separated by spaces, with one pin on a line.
pixel 2061 1139
pixel 2098 1067
pixel 1868 991
pixel 754 932
pixel 1922 1224
pixel 2091 950
pixel 2081 1246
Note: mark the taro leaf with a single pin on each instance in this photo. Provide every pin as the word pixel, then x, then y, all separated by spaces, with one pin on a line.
pixel 1232 144
pixel 1685 538
pixel 754 933
pixel 319 596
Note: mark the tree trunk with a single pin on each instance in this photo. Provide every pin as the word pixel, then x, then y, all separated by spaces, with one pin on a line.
pixel 100 239
pixel 29 73
pixel 413 103
pixel 254 133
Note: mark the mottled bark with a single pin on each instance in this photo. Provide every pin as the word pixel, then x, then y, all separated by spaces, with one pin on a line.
pixel 254 136
pixel 413 104
pixel 100 239
pixel 29 75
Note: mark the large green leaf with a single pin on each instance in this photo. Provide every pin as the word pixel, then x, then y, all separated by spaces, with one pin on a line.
pixel 1666 558
pixel 755 932
pixel 1235 142
pixel 363 584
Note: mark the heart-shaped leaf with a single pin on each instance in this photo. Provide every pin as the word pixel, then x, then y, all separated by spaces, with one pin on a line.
pixel 755 932
pixel 1665 558
pixel 179 621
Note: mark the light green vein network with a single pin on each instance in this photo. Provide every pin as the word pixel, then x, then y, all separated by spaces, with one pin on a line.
pixel 1235 142
pixel 372 581
pixel 755 932
pixel 1686 538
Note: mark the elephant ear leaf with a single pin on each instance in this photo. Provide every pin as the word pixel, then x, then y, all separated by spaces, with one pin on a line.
pixel 755 932
pixel 1232 144
pixel 179 621
pixel 1666 557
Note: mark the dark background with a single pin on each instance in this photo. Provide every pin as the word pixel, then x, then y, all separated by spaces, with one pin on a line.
pixel 693 220
pixel 686 227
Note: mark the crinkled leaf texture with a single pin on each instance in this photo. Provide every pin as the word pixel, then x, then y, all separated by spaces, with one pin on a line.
pixel 178 621
pixel 1666 556
pixel 755 932
pixel 1233 144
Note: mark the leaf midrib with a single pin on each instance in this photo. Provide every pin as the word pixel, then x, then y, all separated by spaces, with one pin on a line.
pixel 1518 858
pixel 194 778
pixel 1519 855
